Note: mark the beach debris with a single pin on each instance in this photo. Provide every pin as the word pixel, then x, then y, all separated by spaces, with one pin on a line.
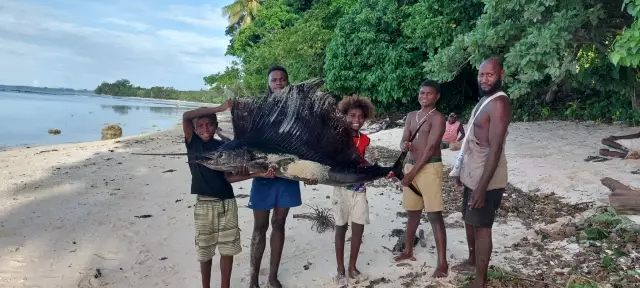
pixel 603 251
pixel 307 266
pixel 97 274
pixel 596 159
pixel 400 245
pixel 528 207
pixel 411 278
pixel 111 131
pixel 54 131
pixel 178 200
pixel 623 198
pixel 46 151
pixel 169 171
pixel 163 258
pixel 502 278
pixel 377 281
pixel 143 216
pixel 321 218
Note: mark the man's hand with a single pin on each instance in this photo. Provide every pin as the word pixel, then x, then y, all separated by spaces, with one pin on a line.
pixel 476 200
pixel 406 147
pixel 310 181
pixel 227 105
pixel 269 174
pixel 408 178
pixel 242 171
pixel 391 175
pixel 456 179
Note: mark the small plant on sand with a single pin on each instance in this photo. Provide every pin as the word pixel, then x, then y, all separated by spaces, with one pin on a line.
pixel 321 219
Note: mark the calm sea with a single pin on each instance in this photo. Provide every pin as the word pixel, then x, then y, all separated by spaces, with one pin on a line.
pixel 25 118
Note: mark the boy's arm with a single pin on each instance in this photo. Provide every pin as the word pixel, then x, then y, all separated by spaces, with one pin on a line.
pixel 232 178
pixel 187 117
pixel 244 175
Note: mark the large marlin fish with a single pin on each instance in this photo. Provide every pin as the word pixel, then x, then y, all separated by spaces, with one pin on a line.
pixel 298 132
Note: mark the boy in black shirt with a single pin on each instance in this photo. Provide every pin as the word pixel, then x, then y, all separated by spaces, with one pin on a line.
pixel 216 211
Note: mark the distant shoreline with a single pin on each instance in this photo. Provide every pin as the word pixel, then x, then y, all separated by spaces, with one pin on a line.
pixel 90 93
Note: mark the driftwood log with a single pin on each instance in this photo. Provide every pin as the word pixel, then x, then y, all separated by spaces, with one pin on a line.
pixel 623 198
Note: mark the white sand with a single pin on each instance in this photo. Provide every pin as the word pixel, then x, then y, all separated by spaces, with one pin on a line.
pixel 65 213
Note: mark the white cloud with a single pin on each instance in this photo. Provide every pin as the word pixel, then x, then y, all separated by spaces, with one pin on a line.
pixel 37 43
pixel 135 25
pixel 206 16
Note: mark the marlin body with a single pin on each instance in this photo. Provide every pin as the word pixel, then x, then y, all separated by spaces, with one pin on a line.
pixel 291 167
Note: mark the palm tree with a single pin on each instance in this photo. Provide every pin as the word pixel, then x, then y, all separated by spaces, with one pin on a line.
pixel 241 12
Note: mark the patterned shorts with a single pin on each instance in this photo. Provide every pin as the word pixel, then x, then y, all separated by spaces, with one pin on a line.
pixel 216 223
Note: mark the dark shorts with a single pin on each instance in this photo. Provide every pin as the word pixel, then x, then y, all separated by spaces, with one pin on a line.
pixel 267 194
pixel 483 217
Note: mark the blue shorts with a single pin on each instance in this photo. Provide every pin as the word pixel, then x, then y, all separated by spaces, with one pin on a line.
pixel 267 194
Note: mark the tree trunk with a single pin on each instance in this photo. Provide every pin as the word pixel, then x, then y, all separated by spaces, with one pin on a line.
pixel 635 100
pixel 614 185
pixel 626 202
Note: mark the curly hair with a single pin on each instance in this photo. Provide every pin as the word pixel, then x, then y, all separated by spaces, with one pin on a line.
pixel 356 102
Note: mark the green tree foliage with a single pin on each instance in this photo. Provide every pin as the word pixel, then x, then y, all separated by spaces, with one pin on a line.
pixel 574 59
pixel 124 88
pixel 283 34
pixel 378 48
pixel 241 12
pixel 627 46
pixel 540 41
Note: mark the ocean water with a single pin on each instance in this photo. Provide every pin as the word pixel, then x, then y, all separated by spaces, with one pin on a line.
pixel 25 118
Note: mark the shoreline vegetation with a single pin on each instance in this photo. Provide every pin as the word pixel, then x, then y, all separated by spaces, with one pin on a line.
pixel 124 88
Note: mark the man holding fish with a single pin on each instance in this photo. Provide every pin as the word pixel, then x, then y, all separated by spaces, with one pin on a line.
pixel 424 170
pixel 277 194
pixel 216 210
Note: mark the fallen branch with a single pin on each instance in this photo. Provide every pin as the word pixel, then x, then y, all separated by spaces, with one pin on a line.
pixel 102 257
pixel 521 277
pixel 304 216
pixel 614 185
pixel 626 202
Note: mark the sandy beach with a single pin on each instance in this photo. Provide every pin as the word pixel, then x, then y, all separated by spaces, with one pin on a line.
pixel 68 210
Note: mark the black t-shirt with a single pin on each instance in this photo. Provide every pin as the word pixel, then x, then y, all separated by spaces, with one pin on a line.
pixel 205 181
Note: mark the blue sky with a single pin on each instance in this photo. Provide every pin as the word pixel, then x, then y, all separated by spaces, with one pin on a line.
pixel 80 43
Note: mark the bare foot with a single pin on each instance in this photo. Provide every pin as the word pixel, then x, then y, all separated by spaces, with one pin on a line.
pixel 404 256
pixel 354 273
pixel 441 271
pixel 341 279
pixel 468 265
pixel 274 283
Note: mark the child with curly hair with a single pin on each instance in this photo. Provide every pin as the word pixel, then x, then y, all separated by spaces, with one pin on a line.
pixel 351 202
